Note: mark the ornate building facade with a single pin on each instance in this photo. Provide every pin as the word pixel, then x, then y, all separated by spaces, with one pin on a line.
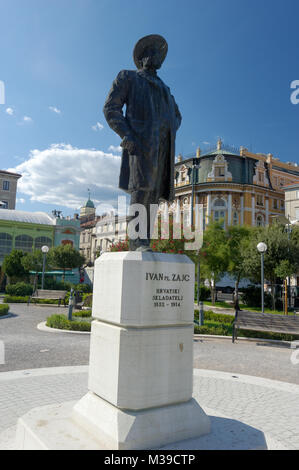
pixel 236 187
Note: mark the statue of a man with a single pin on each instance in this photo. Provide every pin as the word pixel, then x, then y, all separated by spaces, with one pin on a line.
pixel 147 130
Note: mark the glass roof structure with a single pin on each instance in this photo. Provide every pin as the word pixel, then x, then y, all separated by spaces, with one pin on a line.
pixel 40 218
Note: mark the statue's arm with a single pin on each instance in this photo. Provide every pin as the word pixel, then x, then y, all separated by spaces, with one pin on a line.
pixel 113 108
pixel 177 114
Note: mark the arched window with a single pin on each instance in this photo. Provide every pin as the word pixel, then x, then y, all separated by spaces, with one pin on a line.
pixel 67 242
pixel 260 222
pixel 42 241
pixel 5 244
pixel 219 203
pixel 24 243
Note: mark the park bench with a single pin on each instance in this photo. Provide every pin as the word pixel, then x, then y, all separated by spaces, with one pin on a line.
pixel 59 295
pixel 257 321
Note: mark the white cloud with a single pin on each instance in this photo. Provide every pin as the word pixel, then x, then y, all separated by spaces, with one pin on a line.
pixel 9 111
pixel 97 127
pixel 206 143
pixel 61 175
pixel 114 148
pixel 54 109
pixel 27 119
pixel 20 200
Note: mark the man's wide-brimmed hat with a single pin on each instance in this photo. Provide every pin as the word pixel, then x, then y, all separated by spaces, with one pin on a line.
pixel 154 41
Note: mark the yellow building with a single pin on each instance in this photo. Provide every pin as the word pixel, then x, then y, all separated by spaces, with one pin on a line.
pixel 237 186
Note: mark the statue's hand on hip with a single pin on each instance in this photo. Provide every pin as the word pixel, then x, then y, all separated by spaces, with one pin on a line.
pixel 129 144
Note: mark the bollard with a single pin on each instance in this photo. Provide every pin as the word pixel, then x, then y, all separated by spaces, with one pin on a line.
pixel 201 319
pixel 70 315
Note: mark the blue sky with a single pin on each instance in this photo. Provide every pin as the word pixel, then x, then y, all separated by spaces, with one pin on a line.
pixel 229 66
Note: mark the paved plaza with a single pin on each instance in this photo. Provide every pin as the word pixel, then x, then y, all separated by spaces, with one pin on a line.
pixel 253 385
pixel 260 408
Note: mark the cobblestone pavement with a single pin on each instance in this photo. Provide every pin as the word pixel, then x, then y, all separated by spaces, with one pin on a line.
pixel 268 406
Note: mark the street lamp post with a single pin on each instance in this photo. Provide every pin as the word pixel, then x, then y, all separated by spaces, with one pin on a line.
pixel 45 250
pixel 262 248
pixel 195 167
pixel 288 286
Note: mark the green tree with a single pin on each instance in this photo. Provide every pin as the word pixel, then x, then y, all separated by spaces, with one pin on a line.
pixel 238 238
pixel 214 258
pixel 281 258
pixel 34 262
pixel 65 257
pixel 13 267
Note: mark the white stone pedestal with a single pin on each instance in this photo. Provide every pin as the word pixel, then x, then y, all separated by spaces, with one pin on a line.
pixel 141 354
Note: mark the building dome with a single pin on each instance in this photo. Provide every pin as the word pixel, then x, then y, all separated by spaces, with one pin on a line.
pixel 90 204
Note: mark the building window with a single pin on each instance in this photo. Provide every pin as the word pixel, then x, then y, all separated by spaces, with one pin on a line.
pixel 260 221
pixel 42 241
pixel 275 204
pixel 5 244
pixel 219 171
pixel 5 186
pixel 67 242
pixel 282 204
pixel 219 203
pixel 24 243
pixel 219 216
pixel 3 204
pixel 236 218
pixel 261 177
pixel 259 200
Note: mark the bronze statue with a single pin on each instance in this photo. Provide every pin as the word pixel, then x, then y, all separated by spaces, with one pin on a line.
pixel 148 129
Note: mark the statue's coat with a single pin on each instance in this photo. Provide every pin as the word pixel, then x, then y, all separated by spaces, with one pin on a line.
pixel 151 114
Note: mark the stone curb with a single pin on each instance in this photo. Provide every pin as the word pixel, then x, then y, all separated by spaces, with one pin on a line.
pixel 41 372
pixel 42 327
pixel 248 379
pixel 9 315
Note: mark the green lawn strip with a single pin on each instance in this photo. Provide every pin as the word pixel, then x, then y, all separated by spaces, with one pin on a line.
pixel 258 309
pixel 219 304
pixel 61 322
pixel 244 307
pixel 4 309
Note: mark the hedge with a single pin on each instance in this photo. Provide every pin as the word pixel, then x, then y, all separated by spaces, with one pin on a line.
pixel 82 314
pixel 20 289
pixel 4 309
pixel 61 322
pixel 23 300
pixel 217 317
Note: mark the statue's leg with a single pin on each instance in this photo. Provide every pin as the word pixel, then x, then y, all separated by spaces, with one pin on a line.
pixel 144 198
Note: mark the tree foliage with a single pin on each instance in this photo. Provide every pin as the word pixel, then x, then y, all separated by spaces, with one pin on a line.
pixel 65 257
pixel 281 258
pixel 214 259
pixel 13 267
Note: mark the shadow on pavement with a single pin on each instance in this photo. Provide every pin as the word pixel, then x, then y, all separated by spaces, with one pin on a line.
pixel 226 434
